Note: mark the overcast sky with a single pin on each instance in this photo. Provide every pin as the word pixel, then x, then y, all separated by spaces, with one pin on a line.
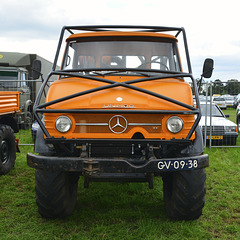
pixel 212 26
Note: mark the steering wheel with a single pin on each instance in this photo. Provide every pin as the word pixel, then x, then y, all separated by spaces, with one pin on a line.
pixel 154 62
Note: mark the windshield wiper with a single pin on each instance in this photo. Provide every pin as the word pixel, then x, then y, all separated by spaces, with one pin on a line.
pixel 96 73
pixel 109 72
pixel 118 71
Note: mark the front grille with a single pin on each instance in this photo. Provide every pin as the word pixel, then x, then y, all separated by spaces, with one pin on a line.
pixel 116 123
pixel 120 126
pixel 216 130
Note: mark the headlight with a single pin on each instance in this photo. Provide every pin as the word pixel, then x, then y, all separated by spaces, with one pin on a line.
pixel 230 128
pixel 174 124
pixel 63 124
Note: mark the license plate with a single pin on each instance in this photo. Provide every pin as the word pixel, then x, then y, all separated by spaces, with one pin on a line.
pixel 173 165
pixel 215 137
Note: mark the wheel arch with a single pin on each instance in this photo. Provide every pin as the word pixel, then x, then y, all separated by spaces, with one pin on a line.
pixel 10 121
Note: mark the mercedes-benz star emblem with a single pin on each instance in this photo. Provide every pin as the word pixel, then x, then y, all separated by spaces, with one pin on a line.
pixel 118 124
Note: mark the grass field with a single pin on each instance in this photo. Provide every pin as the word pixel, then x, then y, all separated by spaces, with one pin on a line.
pixel 123 211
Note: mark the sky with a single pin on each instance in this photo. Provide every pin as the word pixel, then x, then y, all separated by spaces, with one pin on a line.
pixel 212 26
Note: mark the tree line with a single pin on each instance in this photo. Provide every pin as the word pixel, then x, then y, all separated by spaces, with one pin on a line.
pixel 231 87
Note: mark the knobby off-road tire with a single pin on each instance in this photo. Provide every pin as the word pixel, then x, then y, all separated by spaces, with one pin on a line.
pixel 7 149
pixel 184 194
pixel 56 193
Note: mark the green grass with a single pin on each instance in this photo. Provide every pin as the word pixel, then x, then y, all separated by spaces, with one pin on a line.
pixel 232 114
pixel 123 211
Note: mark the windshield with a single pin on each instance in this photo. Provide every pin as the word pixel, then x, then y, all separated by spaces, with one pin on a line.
pixel 215 111
pixel 219 99
pixel 160 56
pixel 8 78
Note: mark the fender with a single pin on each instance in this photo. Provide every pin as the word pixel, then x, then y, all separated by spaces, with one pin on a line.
pixel 40 144
pixel 197 147
pixel 10 121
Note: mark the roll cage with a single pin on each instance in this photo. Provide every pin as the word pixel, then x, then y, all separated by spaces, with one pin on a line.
pixel 41 108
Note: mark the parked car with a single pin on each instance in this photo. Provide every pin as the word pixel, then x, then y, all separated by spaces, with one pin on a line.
pixel 238 118
pixel 229 100
pixel 203 98
pixel 223 131
pixel 236 101
pixel 221 102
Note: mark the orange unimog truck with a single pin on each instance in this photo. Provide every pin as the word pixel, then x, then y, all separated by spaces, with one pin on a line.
pixel 9 107
pixel 122 109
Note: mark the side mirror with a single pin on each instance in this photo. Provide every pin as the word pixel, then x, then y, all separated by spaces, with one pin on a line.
pixel 36 69
pixel 207 68
pixel 207 71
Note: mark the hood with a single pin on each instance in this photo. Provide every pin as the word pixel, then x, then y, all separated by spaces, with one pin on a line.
pixel 217 121
pixel 119 97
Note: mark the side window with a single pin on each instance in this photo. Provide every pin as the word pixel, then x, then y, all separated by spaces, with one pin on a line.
pixel 69 59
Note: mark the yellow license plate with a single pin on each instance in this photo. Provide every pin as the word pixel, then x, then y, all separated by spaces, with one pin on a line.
pixel 215 137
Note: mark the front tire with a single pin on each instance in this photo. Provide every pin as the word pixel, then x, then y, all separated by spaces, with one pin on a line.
pixel 56 193
pixel 184 194
pixel 7 149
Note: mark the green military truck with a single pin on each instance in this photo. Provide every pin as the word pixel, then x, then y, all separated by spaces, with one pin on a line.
pixel 16 75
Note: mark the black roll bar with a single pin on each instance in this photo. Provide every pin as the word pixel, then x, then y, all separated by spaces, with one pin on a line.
pixel 97 28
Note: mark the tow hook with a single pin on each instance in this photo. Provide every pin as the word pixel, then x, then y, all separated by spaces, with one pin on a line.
pixel 90 167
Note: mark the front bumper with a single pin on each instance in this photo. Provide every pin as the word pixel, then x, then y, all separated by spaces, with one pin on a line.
pixel 119 165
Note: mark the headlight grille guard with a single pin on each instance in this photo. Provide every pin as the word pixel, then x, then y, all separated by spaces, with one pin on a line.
pixel 41 108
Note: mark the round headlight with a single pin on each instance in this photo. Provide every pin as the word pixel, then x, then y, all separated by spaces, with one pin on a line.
pixel 63 124
pixel 174 124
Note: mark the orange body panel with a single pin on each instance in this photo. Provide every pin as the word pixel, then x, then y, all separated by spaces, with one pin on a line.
pixel 9 102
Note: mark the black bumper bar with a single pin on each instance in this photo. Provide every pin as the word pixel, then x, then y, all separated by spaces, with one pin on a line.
pixel 103 165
